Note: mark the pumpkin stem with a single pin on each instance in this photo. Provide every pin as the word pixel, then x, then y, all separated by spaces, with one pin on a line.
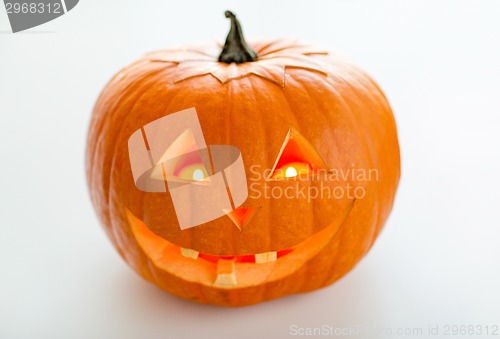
pixel 235 48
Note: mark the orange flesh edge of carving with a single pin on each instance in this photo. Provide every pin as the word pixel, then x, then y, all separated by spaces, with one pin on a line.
pixel 167 256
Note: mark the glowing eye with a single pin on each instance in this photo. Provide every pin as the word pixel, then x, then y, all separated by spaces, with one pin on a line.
pixel 196 172
pixel 292 169
pixel 297 158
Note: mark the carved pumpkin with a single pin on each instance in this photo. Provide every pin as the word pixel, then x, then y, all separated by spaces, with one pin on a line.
pixel 301 117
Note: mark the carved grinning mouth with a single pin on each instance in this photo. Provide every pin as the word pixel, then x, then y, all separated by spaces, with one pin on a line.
pixel 228 271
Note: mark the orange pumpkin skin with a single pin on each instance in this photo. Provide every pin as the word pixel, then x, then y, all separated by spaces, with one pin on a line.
pixel 336 106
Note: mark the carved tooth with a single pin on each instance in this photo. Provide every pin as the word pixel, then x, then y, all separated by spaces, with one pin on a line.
pixel 262 258
pixel 226 275
pixel 272 256
pixel 189 253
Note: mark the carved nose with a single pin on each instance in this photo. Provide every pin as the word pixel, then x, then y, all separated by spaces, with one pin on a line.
pixel 241 216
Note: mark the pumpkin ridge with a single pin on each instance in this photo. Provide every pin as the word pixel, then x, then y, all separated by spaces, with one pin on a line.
pixel 362 137
pixel 375 186
pixel 263 125
pixel 168 109
pixel 312 209
pixel 98 141
pixel 104 122
pixel 119 133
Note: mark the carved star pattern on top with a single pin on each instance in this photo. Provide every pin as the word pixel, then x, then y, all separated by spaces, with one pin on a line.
pixel 275 57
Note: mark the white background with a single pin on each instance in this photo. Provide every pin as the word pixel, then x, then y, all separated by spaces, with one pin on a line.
pixel 437 260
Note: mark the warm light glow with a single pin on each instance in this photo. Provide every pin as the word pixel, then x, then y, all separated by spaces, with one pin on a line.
pixel 290 172
pixel 292 169
pixel 198 174
pixel 194 172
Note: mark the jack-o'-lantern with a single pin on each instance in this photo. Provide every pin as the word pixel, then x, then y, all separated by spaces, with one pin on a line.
pixel 319 150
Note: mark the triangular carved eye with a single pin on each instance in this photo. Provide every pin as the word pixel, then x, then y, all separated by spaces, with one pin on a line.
pixel 297 157
pixel 182 161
